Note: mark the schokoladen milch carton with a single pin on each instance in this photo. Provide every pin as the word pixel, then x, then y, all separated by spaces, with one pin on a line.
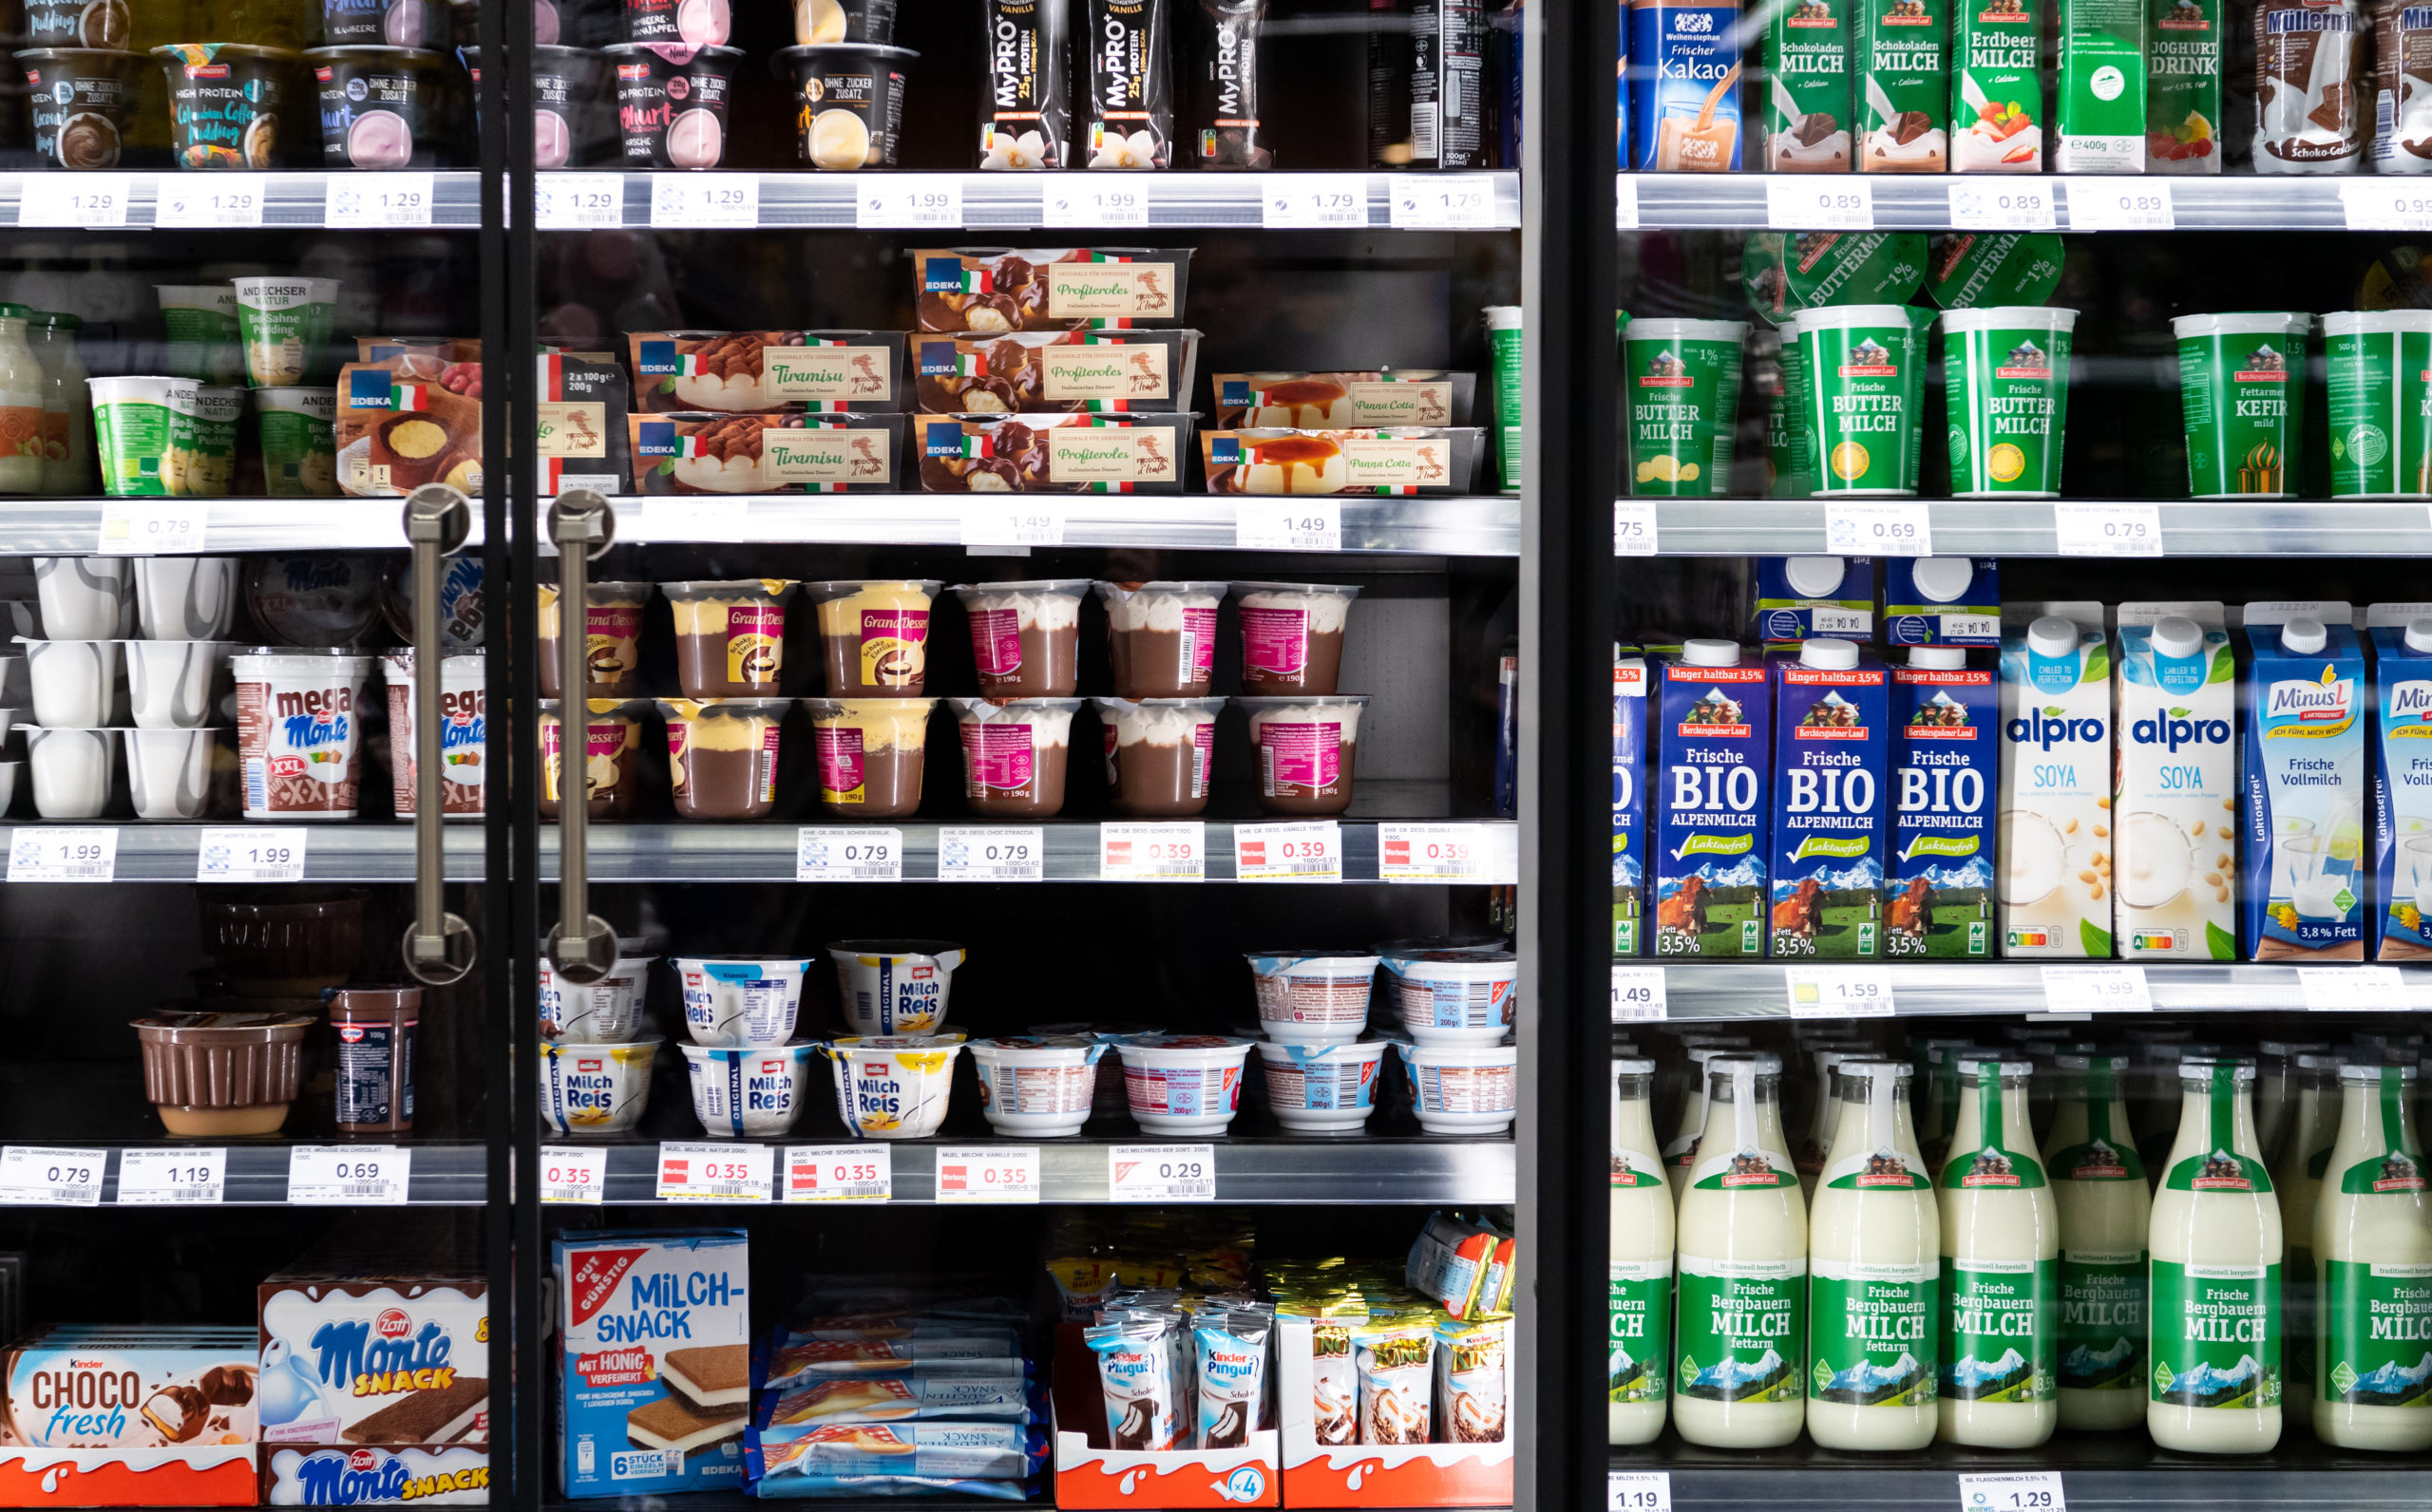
pixel 1629 798
pixel 1945 778
pixel 2054 833
pixel 1830 824
pixel 2174 800
pixel 2401 635
pixel 654 1361
pixel 2306 789
pixel 1707 844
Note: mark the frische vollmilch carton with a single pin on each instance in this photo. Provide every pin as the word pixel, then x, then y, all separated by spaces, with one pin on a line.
pixel 2054 835
pixel 1832 742
pixel 2304 876
pixel 2401 637
pixel 1945 777
pixel 1714 750
pixel 2174 851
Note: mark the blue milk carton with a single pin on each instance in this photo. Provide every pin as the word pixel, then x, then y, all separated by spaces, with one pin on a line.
pixel 1629 798
pixel 1833 745
pixel 2303 884
pixel 2056 783
pixel 1945 773
pixel 2175 797
pixel 1713 729
pixel 1942 601
pixel 2402 764
pixel 1683 60
pixel 1800 597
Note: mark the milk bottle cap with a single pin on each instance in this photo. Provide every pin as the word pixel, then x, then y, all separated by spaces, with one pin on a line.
pixel 2371 1075
pixel 2178 637
pixel 1830 653
pixel 1941 579
pixel 2052 635
pixel 2304 636
pixel 1812 576
pixel 1710 652
pixel 2418 635
pixel 1938 658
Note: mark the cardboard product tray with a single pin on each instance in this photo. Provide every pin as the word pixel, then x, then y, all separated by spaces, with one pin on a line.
pixel 993 290
pixel 1053 454
pixel 1047 371
pixel 710 454
pixel 1371 1475
pixel 766 373
pixel 1407 461
pixel 1087 1476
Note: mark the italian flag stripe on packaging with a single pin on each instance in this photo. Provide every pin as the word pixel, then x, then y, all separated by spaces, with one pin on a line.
pixel 827 407
pixel 408 396
pixel 1105 322
pixel 1108 407
pixel 978 281
pixel 978 446
pixel 1108 487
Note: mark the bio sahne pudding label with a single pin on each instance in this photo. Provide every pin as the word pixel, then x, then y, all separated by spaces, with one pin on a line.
pixel 2056 782
pixel 2177 802
pixel 2305 778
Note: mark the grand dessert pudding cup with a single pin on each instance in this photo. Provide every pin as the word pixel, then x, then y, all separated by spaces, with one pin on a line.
pixel 747 1093
pixel 612 629
pixel 595 1088
pixel 1026 636
pixel 1463 1088
pixel 1292 635
pixel 742 1002
pixel 1159 752
pixel 170 683
pixel 1305 749
pixel 871 752
pixel 1039 1085
pixel 1161 636
pixel 1321 1088
pixel 612 745
pixel 1183 1084
pixel 1014 754
pixel 74 770
pixel 603 1012
pixel 894 986
pixel 722 755
pixel 874 636
pixel 730 636
pixel 215 1075
pixel 1452 996
pixel 1313 998
pixel 894 1087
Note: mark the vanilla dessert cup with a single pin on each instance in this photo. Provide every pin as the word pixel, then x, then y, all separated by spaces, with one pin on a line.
pixel 874 636
pixel 894 986
pixel 168 771
pixel 1158 754
pixel 730 636
pixel 1161 636
pixel 1292 635
pixel 170 683
pixel 1039 1085
pixel 1306 749
pixel 894 1087
pixel 606 1012
pixel 1321 1088
pixel 1026 636
pixel 1183 1084
pixel 611 748
pixel 74 770
pixel 1453 997
pixel 744 1002
pixel 1015 753
pixel 611 639
pixel 1313 998
pixel 871 752
pixel 747 1093
pixel 595 1088
pixel 74 681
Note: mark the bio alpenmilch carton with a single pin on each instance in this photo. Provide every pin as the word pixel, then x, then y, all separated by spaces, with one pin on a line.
pixel 2401 635
pixel 1714 752
pixel 2176 800
pixel 1629 797
pixel 2056 782
pixel 2303 877
pixel 1832 736
pixel 1938 892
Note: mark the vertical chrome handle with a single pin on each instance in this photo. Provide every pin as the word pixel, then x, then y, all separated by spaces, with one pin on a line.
pixel 582 948
pixel 439 946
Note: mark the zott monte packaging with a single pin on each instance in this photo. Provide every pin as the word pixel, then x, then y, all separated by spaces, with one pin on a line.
pixel 2054 835
pixel 2304 878
pixel 654 1365
pixel 1829 830
pixel 1714 757
pixel 1944 777
pixel 2401 772
pixel 2175 798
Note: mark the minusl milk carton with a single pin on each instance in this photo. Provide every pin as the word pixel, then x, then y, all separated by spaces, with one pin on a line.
pixel 1629 798
pixel 2174 847
pixel 2054 835
pixel 1800 597
pixel 1831 740
pixel 1713 751
pixel 2401 635
pixel 2306 789
pixel 1945 773
pixel 1942 601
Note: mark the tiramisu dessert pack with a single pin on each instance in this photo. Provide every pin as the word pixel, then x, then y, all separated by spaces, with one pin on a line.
pixel 656 1370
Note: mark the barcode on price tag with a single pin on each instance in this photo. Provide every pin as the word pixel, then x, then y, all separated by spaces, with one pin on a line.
pixel 1305 201
pixel 1638 994
pixel 704 201
pixel 2108 530
pixel 826 855
pixel 2012 204
pixel 2097 990
pixel 67 854
pixel 839 1173
pixel 1638 1491
pixel 1445 852
pixel 1093 199
pixel 1634 528
pixel 209 198
pixel 180 1178
pixel 1273 525
pixel 2107 202
pixel 1801 202
pixel 348 1175
pixel 908 199
pixel 991 853
pixel 1028 523
pixel 2396 203
pixel 737 1172
pixel 571 1173
pixel 1310 851
pixel 52 1176
pixel 1838 991
pixel 377 200
pixel 150 526
pixel 2017 1491
pixel 1902 529
pixel 88 199
pixel 1441 201
pixel 987 1173
pixel 578 201
pixel 270 853
pixel 1160 1173
pixel 2353 989
pixel 1175 851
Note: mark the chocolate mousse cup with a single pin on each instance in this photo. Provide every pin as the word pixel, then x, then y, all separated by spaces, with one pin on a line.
pixel 1162 636
pixel 1292 635
pixel 1015 753
pixel 1304 748
pixel 1159 752
pixel 730 636
pixel 1026 636
pixel 871 752
pixel 722 753
pixel 874 637
pixel 611 640
pixel 613 741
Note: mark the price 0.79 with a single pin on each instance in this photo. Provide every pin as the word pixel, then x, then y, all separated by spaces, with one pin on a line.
pixel 1005 855
pixel 870 854
pixel 60 1175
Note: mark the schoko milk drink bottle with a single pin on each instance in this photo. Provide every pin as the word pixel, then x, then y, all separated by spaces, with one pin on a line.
pixel 1874 1266
pixel 2372 1246
pixel 1740 1347
pixel 2000 1267
pixel 2214 1326
pixel 2099 1189
pixel 1639 1277
pixel 2296 1170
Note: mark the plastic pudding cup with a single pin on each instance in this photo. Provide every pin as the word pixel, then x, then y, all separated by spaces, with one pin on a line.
pixel 1313 998
pixel 565 82
pixel 1015 752
pixel 284 323
pixel 1026 636
pixel 299 731
pixel 611 639
pixel 300 441
pixel 82 597
pixel 1109 1099
pixel 2006 382
pixel 1463 1088
pixel 894 986
pixel 1159 752
pixel 871 752
pixel 1041 1084
pixel 1861 371
pixel 672 103
pixel 595 1088
pixel 894 1087
pixel 1321 1088
pixel 396 23
pixel 1452 996
pixel 848 102
pixel 874 636
pixel 186 597
pixel 2381 402
pixel 2242 392
pixel 741 1002
pixel 73 681
pixel 1292 635
pixel 1682 386
pixel 606 1012
pixel 378 107
pixel 216 1075
pixel 78 23
pixel 226 100
pixel 1304 751
pixel 722 754
pixel 168 771
pixel 463 731
pixel 817 22
pixel 730 636
pixel 80 97
pixel 170 683
pixel 1161 636
pixel 747 1093
pixel 74 770
pixel 613 743
pixel 201 322
pixel 165 436
pixel 1183 1084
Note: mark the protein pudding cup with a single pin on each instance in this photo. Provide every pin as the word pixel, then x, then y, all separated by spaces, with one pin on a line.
pixel 1183 1084
pixel 1305 751
pixel 299 732
pixel 822 21
pixel 1313 998
pixel 672 103
pixel 1292 635
pixel 1043 1085
pixel 380 106
pixel 871 752
pixel 730 636
pixel 80 97
pixel 874 636
pixel 224 103
pixel 1026 636
pixel 1161 636
pixel 894 986
pixel 595 1088
pixel 722 754
pixel 1158 754
pixel 894 1087
pixel 2242 388
pixel 742 1001
pixel 612 630
pixel 848 102
pixel 747 1093
pixel 1014 754
pixel 1322 1089
pixel 463 731
pixel 612 740
pixel 2005 381
pixel 1455 996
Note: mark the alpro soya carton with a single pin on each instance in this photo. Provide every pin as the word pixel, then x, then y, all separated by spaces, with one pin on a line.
pixel 2176 800
pixel 1801 598
pixel 1629 797
pixel 1943 771
pixel 2054 835
pixel 1832 741
pixel 2402 765
pixel 2304 876
pixel 1714 754
pixel 1942 601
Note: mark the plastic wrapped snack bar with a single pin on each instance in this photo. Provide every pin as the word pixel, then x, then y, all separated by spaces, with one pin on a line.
pixel 1231 1378
pixel 1472 1380
pixel 905 1395
pixel 1136 1372
pixel 808 1483
pixel 1395 1354
pixel 973 1349
pixel 1449 1262
pixel 958 1451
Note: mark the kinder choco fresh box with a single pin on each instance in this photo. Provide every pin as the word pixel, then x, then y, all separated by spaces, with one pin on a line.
pixel 2402 764
pixel 2054 835
pixel 1629 797
pixel 1831 738
pixel 2175 798
pixel 2303 877
pixel 1938 889
pixel 1714 748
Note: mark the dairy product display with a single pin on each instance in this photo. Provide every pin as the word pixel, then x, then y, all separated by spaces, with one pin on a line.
pixel 2055 793
pixel 2000 1268
pixel 2175 805
pixel 2217 1332
pixel 1875 1274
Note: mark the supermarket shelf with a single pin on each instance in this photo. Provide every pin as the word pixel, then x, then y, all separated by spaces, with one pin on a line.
pixel 287 199
pixel 1691 201
pixel 355 851
pixel 1735 527
pixel 1720 990
pixel 443 1173
pixel 33 527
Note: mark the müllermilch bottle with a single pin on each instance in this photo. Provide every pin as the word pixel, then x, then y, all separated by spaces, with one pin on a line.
pixel 2373 1253
pixel 1740 1348
pixel 1680 1151
pixel 1638 1278
pixel 2000 1267
pixel 2296 1170
pixel 2213 1332
pixel 2098 1187
pixel 1875 1268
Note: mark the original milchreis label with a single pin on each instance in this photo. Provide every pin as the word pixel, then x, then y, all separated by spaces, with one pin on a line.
pixel 1743 1330
pixel 1638 1315
pixel 1872 1331
pixel 2215 1335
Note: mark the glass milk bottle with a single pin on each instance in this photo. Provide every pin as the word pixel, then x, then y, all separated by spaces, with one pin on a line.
pixel 2161 1126
pixel 1639 1273
pixel 2275 1089
pixel 2000 1267
pixel 2214 1319
pixel 21 406
pixel 1937 1096
pixel 1874 1270
pixel 1810 1150
pixel 1680 1151
pixel 2296 1170
pixel 2372 1249
pixel 2098 1188
pixel 1740 1348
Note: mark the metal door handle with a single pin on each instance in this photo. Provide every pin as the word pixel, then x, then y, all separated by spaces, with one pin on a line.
pixel 582 948
pixel 439 945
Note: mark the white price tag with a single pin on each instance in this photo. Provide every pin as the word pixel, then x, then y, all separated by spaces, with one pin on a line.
pixel 723 1172
pixel 701 518
pixel 1634 527
pixel 377 200
pixel 578 201
pixel 1283 524
pixel 1811 202
pixel 150 526
pixel 268 854
pixel 1296 202
pixel 2108 530
pixel 1173 851
pixel 2097 990
pixel 908 201
pixel 2353 989
pixel 1638 994
pixel 348 1175
pixel 2017 1491
pixel 1624 202
pixel 1838 991
pixel 1899 529
pixel 573 1173
pixel 213 199
pixel 987 1173
pixel 178 1178
pixel 78 854
pixel 2002 203
pixel 1093 199
pixel 1443 853
pixel 839 1173
pixel 827 855
pixel 52 1176
pixel 1442 201
pixel 88 199
pixel 2111 203
pixel 1160 1173
pixel 1030 523
pixel 991 852
pixel 1310 851
pixel 682 201
pixel 1638 1491
pixel 2396 203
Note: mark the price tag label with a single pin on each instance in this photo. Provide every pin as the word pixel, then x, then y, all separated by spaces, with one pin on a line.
pixel 991 853
pixel 1283 524
pixel 1300 201
pixel 377 200
pixel 839 1173
pixel 178 1178
pixel 1902 529
pixel 680 201
pixel 570 1173
pixel 2108 530
pixel 825 854
pixel 1638 1491
pixel 2353 989
pixel 2017 1491
pixel 52 1176
pixel 1838 991
pixel 348 1175
pixel 1624 202
pixel 75 854
pixel 145 527
pixel 88 199
pixel 691 519
pixel 2109 202
pixel 908 199
pixel 1094 200
pixel 270 853
pixel 2003 204
pixel 578 201
pixel 1638 994
pixel 987 1173
pixel 2397 204
pixel 1310 851
pixel 1441 853
pixel 1805 203
pixel 1442 201
pixel 723 1172
pixel 1634 528
pixel 214 199
pixel 1160 1173
pixel 1175 851
pixel 1026 524
pixel 2097 990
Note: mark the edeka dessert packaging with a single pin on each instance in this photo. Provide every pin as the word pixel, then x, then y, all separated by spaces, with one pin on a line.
pixel 722 755
pixel 1025 637
pixel 595 1088
pixel 1788 271
pixel 168 1383
pixel 1025 102
pixel 2056 773
pixel 1128 111
pixel 397 430
pixel 612 756
pixel 870 753
pixel 2183 105
pixel 2400 912
pixel 764 454
pixel 747 1093
pixel 2309 81
pixel 2098 96
pixel 893 1086
pixel 2401 90
pixel 1997 110
pixel 1306 748
pixel 654 1369
pixel 1503 340
pixel 993 290
pixel 2174 858
pixel 1335 400
pixel 612 628
pixel 1901 54
pixel 730 636
pixel 299 733
pixel 1966 269
pixel 1682 379
pixel 383 108
pixel 848 98
pixel 79 98
pixel 1053 454
pixel 1400 463
pixel 1292 635
pixel 1161 636
pixel 2302 886
pixel 226 103
pixel 171 436
pixel 874 636
pixel 463 731
pixel 1685 87
pixel 757 372
pixel 1862 372
pixel 1159 752
pixel 2381 402
pixel 1034 372
pixel 1807 117
pixel 895 985
pixel 2006 382
pixel 672 103
pixel 1042 1084
pixel 1015 752
pixel 1830 830
pixel 2242 390
pixel 1938 887
pixel 1221 106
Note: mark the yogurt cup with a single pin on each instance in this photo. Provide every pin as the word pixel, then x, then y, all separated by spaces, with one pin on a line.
pixel 1039 1085
pixel 1161 636
pixel 395 23
pixel 170 683
pixel 1463 1088
pixel 611 748
pixel 229 102
pixel 74 770
pixel 2005 381
pixel 1452 996
pixel 2381 426
pixel 871 752
pixel 894 986
pixel 201 322
pixel 1313 998
pixel 722 754
pixel 2242 391
pixel 1292 635
pixel 730 636
pixel 595 1088
pixel 186 597
pixel 299 732
pixel 848 102
pixel 682 23
pixel 379 106
pixel 1159 752
pixel 671 102
pixel 1014 754
pixel 894 1087
pixel 741 1002
pixel 168 771
pixel 747 1093
pixel 1322 1089
pixel 78 23
pixel 1183 1084
pixel 283 325
pixel 1682 379
pixel 463 731
pixel 1026 636
pixel 80 97
pixel 297 426
pixel 320 600
pixel 566 83
pixel 822 21
pixel 1305 749
pixel 606 1012
pixel 165 436
pixel 612 630
pixel 1108 1100
pixel 874 636
pixel 83 598
pixel 74 681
